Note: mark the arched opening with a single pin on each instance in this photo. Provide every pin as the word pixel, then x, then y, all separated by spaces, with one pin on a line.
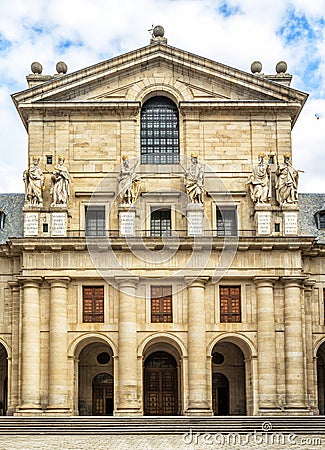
pixel 321 378
pixel 228 379
pixel 160 385
pixel 3 380
pixel 159 132
pixel 95 380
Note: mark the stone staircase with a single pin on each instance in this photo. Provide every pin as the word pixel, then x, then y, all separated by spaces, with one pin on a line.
pixel 90 425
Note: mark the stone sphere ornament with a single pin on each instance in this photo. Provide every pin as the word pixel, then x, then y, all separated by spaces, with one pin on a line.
pixel 61 67
pixel 36 68
pixel 256 67
pixel 158 31
pixel 281 67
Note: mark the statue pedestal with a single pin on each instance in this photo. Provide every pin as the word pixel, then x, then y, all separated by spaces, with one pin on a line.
pixel 126 215
pixel 31 221
pixel 263 219
pixel 59 221
pixel 290 219
pixel 194 214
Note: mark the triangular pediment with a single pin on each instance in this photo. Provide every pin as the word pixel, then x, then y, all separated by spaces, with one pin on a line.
pixel 159 67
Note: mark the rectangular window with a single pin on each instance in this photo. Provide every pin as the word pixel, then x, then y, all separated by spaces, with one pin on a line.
pixel 93 304
pixel 161 304
pixel 2 220
pixel 230 304
pixel 160 222
pixel 227 221
pixel 95 220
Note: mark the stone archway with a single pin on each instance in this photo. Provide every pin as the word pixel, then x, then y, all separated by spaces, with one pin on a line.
pixel 228 380
pixel 95 380
pixel 321 378
pixel 3 380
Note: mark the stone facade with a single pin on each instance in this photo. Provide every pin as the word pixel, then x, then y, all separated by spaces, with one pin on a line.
pixel 246 321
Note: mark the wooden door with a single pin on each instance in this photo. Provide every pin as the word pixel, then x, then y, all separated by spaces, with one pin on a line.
pixel 103 395
pixel 160 385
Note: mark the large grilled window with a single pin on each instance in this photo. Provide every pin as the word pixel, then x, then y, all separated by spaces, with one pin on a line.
pixel 95 221
pixel 160 222
pixel 159 132
pixel 227 221
pixel 161 304
pixel 93 304
pixel 230 304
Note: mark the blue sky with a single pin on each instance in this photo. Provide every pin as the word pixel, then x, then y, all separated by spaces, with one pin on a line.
pixel 233 32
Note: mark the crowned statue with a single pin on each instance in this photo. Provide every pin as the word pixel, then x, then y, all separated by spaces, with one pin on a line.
pixel 34 184
pixel 286 186
pixel 260 181
pixel 60 187
pixel 194 180
pixel 129 183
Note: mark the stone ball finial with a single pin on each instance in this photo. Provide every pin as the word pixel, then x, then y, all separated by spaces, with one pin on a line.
pixel 61 67
pixel 36 68
pixel 281 67
pixel 158 31
pixel 256 67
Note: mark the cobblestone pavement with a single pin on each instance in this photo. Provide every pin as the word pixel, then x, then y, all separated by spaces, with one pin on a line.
pixel 165 442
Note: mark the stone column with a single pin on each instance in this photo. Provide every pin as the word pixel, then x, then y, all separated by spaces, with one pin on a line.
pixel 30 347
pixel 127 348
pixel 58 380
pixel 198 398
pixel 294 350
pixel 310 374
pixel 266 345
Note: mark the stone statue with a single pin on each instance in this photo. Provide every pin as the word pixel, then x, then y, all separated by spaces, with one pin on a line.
pixel 34 183
pixel 260 181
pixel 129 183
pixel 60 188
pixel 194 181
pixel 286 187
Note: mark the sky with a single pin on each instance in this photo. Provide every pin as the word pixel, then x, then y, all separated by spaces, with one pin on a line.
pixel 233 32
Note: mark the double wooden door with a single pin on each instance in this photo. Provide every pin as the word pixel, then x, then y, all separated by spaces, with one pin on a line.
pixel 103 395
pixel 160 385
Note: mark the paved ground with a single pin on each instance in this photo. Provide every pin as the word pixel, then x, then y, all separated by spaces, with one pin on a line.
pixel 188 442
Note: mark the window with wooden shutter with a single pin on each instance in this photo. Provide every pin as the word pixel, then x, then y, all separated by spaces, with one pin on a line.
pixel 230 304
pixel 93 303
pixel 161 304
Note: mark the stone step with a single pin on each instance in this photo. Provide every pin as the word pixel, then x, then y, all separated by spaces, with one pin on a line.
pixel 161 425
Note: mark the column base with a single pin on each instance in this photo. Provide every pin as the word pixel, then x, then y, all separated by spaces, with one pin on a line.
pixel 198 412
pixel 126 412
pixel 29 410
pixel 297 411
pixel 57 411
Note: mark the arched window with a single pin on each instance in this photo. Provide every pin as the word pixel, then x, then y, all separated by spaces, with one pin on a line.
pixel 159 132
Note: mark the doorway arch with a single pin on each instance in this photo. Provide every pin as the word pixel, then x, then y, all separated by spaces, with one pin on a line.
pixel 96 380
pixel 3 380
pixel 228 379
pixel 321 379
pixel 160 390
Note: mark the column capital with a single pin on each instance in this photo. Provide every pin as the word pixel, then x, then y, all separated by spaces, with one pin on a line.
pixel 29 281
pixel 14 285
pixel 196 282
pixel 58 281
pixel 292 281
pixel 124 282
pixel 265 281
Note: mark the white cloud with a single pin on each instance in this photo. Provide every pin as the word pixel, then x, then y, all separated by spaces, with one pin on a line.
pixel 94 30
